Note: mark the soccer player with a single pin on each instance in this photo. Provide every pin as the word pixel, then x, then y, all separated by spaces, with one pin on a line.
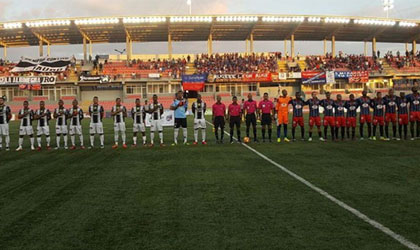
pixel 282 108
pixel 297 105
pixel 351 107
pixel 138 113
pixel 364 104
pixel 402 115
pixel 199 110
pixel 180 106
pixel 266 113
pixel 5 117
pixel 26 116
pixel 250 109
pixel 340 119
pixel 378 105
pixel 219 113
pixel 155 109
pixel 391 114
pixel 314 117
pixel 119 113
pixel 414 100
pixel 61 115
pixel 43 116
pixel 234 118
pixel 96 113
pixel 329 120
pixel 76 116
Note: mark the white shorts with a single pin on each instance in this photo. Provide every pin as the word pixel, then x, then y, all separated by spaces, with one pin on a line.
pixel 156 125
pixel 4 129
pixel 139 128
pixel 43 131
pixel 200 123
pixel 61 130
pixel 75 130
pixel 28 130
pixel 119 127
pixel 96 128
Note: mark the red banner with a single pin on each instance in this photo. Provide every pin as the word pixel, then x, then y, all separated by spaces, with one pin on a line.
pixel 359 77
pixel 191 86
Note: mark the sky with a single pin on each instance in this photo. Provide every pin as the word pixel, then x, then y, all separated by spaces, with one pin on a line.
pixel 11 10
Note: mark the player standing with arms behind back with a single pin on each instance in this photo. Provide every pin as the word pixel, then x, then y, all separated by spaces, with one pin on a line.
pixel 43 116
pixel 402 116
pixel 391 114
pixel 314 117
pixel 250 110
pixel 199 110
pixel 76 116
pixel 329 120
pixel 266 109
pixel 219 113
pixel 180 106
pixel 119 113
pixel 96 113
pixel 138 113
pixel 234 117
pixel 5 117
pixel 298 105
pixel 155 109
pixel 61 115
pixel 378 105
pixel 364 104
pixel 351 120
pixel 26 117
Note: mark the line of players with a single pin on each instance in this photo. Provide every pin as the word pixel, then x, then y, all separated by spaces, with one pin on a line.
pixel 339 116
pixel 69 122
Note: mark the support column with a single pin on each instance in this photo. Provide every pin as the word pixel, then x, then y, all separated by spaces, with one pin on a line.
pixel 325 47
pixel 5 52
pixel 170 46
pixel 414 47
pixel 251 43
pixel 333 46
pixel 365 53
pixel 48 50
pixel 246 46
pixel 406 46
pixel 84 50
pixel 128 48
pixel 374 46
pixel 90 49
pixel 210 45
pixel 292 46
pixel 41 48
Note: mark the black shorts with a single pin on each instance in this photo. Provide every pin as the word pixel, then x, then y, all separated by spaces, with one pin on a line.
pixel 219 122
pixel 180 122
pixel 250 119
pixel 235 121
pixel 266 119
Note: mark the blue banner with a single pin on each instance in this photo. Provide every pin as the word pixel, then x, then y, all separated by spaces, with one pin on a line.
pixel 342 74
pixel 202 78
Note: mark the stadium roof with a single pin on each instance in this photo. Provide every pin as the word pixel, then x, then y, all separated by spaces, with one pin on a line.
pixel 199 28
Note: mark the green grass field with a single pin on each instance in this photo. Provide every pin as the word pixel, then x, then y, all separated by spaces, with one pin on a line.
pixel 208 197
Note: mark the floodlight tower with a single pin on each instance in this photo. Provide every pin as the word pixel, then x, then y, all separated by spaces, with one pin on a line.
pixel 388 5
pixel 189 3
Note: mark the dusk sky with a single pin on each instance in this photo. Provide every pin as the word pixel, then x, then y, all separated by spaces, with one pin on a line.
pixel 11 10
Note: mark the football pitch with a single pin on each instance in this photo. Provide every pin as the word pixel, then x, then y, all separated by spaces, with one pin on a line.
pixel 209 197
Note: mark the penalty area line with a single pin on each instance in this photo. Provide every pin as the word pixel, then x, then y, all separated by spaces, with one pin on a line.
pixel 401 239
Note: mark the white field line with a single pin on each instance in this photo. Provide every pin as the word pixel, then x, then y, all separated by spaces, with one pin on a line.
pixel 401 239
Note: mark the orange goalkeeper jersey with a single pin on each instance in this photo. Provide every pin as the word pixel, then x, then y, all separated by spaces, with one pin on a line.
pixel 282 106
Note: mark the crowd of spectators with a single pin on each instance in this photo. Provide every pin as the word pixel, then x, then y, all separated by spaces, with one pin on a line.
pixel 400 61
pixel 175 67
pixel 236 63
pixel 343 61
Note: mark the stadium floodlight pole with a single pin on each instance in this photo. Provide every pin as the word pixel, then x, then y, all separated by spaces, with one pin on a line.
pixel 189 3
pixel 388 5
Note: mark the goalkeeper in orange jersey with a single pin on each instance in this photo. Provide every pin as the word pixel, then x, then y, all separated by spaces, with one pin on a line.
pixel 282 109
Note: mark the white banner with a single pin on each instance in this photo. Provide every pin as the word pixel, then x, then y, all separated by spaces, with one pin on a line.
pixel 295 75
pixel 154 76
pixel 168 119
pixel 28 80
pixel 43 65
pixel 100 79
pixel 282 76
pixel 330 77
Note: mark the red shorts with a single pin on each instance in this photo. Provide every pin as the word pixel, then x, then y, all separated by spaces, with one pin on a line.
pixel 378 120
pixel 298 121
pixel 329 121
pixel 391 118
pixel 315 121
pixel 340 121
pixel 365 118
pixel 403 119
pixel 351 122
pixel 415 116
